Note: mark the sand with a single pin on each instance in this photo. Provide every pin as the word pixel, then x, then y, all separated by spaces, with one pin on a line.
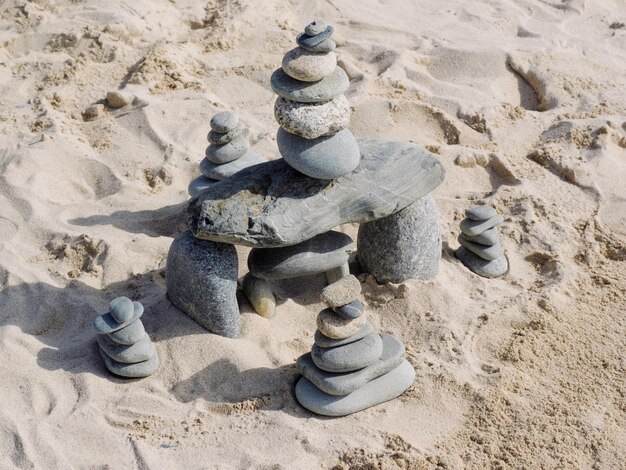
pixel 523 101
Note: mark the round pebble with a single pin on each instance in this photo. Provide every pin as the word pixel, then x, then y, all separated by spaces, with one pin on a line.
pixel 315 27
pixel 348 358
pixel 333 326
pixel 482 267
pixel 342 292
pixel 309 66
pixel 352 310
pixel 121 309
pixel 118 99
pixel 317 92
pixel 312 120
pixel 224 121
pixel 325 46
pixel 221 138
pixel 228 152
pixel 480 213
pixel 311 41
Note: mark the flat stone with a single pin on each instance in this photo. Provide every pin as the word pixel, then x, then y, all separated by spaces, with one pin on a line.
pixel 324 341
pixel 271 204
pixel 105 323
pixel 476 227
pixel 199 185
pixel 335 274
pixel 343 384
pixel 315 27
pixel 308 66
pixel 228 152
pixel 480 212
pixel 326 89
pixel 486 252
pixel 141 351
pixel 118 99
pixel 327 45
pixel 342 292
pixel 333 326
pixel 488 237
pixel 221 138
pixel 259 294
pixel 121 309
pixel 316 255
pixel 224 121
pixel 226 170
pixel 130 334
pixel 313 120
pixel 311 41
pixel 382 389
pixel 201 279
pixel 482 267
pixel 404 245
pixel 135 371
pixel 352 310
pixel 348 358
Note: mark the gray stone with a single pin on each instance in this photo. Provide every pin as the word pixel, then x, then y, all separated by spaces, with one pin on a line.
pixel 308 66
pixel 141 351
pixel 228 152
pixel 476 227
pixel 130 334
pixel 348 358
pixel 488 237
pixel 105 323
pixel 480 212
pixel 271 204
pixel 343 384
pixel 352 310
pixel 318 254
pixel 325 46
pixel 311 41
pixel 324 341
pixel 313 120
pixel 482 267
pixel 381 389
pixel 259 294
pixel 404 245
pixel 342 292
pixel 199 185
pixel 226 170
pixel 221 138
pixel 335 274
pixel 201 278
pixel 333 326
pixel 310 92
pixel 486 252
pixel 121 309
pixel 224 121
pixel 136 370
pixel 315 27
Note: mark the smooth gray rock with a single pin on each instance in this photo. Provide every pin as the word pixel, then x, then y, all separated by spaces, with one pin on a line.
pixel 309 92
pixel 486 252
pixel 480 213
pixel 325 46
pixel 381 389
pixel 271 204
pixel 259 294
pixel 348 358
pixel 335 274
pixel 307 66
pixel 482 267
pixel 488 237
pixel 224 121
pixel 130 334
pixel 343 384
pixel 141 351
pixel 136 370
pixel 228 152
pixel 405 245
pixel 476 227
pixel 221 138
pixel 105 323
pixel 315 27
pixel 199 185
pixel 342 292
pixel 324 341
pixel 311 41
pixel 352 310
pixel 323 252
pixel 313 120
pixel 121 309
pixel 201 278
pixel 226 170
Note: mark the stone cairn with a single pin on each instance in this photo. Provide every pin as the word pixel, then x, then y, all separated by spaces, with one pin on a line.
pixel 227 153
pixel 480 249
pixel 124 345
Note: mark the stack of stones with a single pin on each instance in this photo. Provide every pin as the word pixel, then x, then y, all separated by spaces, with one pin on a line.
pixel 480 249
pixel 124 344
pixel 311 108
pixel 228 152
pixel 350 367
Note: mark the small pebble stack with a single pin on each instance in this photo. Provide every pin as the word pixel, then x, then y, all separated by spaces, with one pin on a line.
pixel 480 249
pixel 350 367
pixel 228 152
pixel 124 344
pixel 311 108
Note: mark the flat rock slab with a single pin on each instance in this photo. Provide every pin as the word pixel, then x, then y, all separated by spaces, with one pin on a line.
pixel 136 370
pixel 141 351
pixel 382 389
pixel 129 334
pixel 271 204
pixel 105 323
pixel 348 358
pixel 324 341
pixel 217 172
pixel 482 267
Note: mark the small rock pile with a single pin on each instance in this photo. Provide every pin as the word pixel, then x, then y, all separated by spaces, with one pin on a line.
pixel 228 152
pixel 311 108
pixel 124 344
pixel 350 367
pixel 480 249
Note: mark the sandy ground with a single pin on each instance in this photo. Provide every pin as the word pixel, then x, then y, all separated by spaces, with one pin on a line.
pixel 524 101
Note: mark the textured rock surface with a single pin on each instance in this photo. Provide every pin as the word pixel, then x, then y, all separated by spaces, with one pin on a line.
pixel 324 341
pixel 136 370
pixel 312 120
pixel 130 334
pixel 480 212
pixel 199 185
pixel 309 92
pixel 201 278
pixel 482 267
pixel 352 310
pixel 226 170
pixel 272 204
pixel 308 66
pixel 405 245
pixel 118 99
pixel 333 275
pixel 105 323
pixel 476 227
pixel 315 27
pixel 259 294
pixel 327 45
pixel 342 292
pixel 221 138
pixel 333 326
pixel 228 152
pixel 140 351
pixel 224 121
pixel 487 252
pixel 348 358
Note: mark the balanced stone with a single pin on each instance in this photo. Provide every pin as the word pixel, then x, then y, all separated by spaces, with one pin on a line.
pixel 482 267
pixel 199 185
pixel 343 384
pixel 480 212
pixel 486 252
pixel 327 45
pixel 221 138
pixel 348 358
pixel 335 274
pixel 324 341
pixel 129 334
pixel 136 370
pixel 379 390
pixel 475 227
pixel 224 121
pixel 121 309
pixel 342 292
pixel 404 245
pixel 140 351
pixel 333 326
pixel 323 252
pixel 352 310
pixel 226 170
pixel 310 92
pixel 315 27
pixel 488 237
pixel 260 295
pixel 271 204
pixel 308 66
pixel 105 323
pixel 201 278
pixel 312 120
pixel 227 152
pixel 311 41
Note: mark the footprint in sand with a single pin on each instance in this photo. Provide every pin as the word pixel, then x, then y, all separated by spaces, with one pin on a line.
pixel 7 231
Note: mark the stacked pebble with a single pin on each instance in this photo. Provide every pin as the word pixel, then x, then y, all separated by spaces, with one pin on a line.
pixel 228 152
pixel 124 344
pixel 480 249
pixel 350 367
pixel 311 108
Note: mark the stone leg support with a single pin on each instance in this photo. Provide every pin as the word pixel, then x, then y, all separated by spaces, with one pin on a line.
pixel 259 294
pixel 336 274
